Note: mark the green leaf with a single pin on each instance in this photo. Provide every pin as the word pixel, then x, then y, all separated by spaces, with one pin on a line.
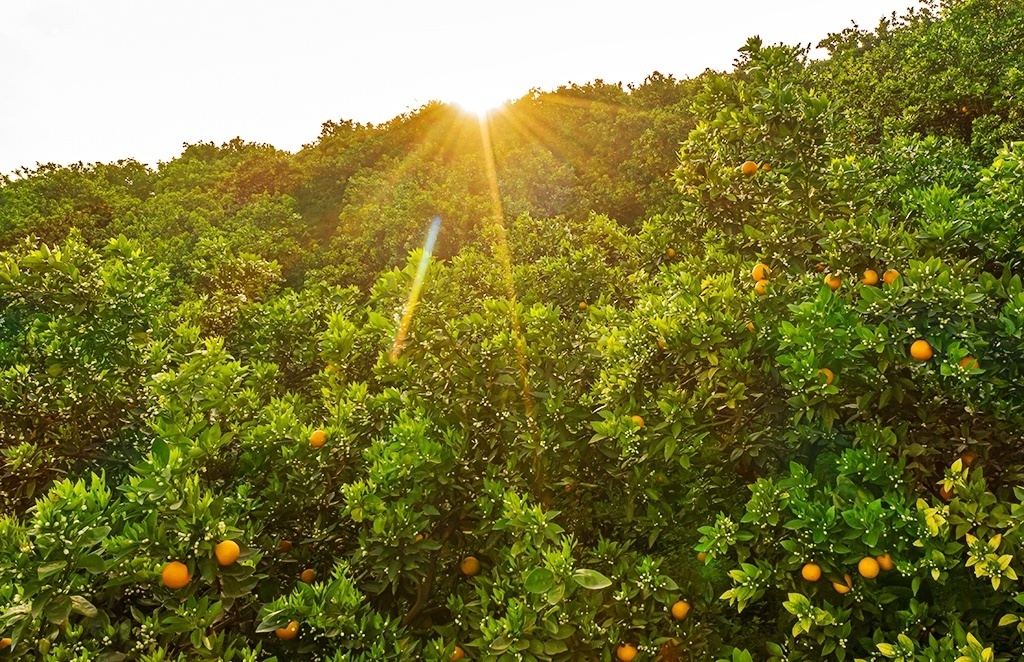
pixel 540 580
pixel 591 579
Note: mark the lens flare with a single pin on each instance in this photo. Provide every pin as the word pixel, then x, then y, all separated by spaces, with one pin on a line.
pixel 417 287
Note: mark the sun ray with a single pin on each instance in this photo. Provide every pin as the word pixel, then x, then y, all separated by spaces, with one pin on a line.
pixel 417 287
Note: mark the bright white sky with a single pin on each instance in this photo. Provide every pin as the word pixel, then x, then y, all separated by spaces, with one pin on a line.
pixel 109 79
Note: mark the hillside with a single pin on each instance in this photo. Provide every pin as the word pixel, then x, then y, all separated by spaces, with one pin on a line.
pixel 721 369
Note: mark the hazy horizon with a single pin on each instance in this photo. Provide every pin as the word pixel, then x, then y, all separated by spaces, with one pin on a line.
pixel 125 80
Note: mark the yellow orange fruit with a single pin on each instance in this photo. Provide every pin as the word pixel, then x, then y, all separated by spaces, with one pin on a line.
pixel 583 305
pixel 5 642
pixel 868 567
pixel 470 566
pixel 968 457
pixel 680 610
pixel 833 281
pixel 749 168
pixel 637 420
pixel 662 344
pixel 227 552
pixel 921 350
pixel 811 572
pixel 890 276
pixel 307 575
pixel 750 327
pixel 285 546
pixel 702 556
pixel 829 375
pixel 969 363
pixel 288 632
pixel 457 654
pixel 870 277
pixel 885 562
pixel 175 575
pixel 670 252
pixel 767 167
pixel 843 589
pixel 626 652
pixel 318 438
pixel 760 286
pixel 761 272
pixel 945 494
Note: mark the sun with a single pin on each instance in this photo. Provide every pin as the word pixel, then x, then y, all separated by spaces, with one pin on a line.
pixel 480 102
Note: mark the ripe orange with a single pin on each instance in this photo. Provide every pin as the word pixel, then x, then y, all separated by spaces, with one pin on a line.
pixel 175 575
pixel 288 632
pixel 318 438
pixel 833 281
pixel 457 654
pixel 670 252
pixel 626 652
pixel 307 575
pixel 285 546
pixel 870 277
pixel 226 552
pixel 945 494
pixel 749 168
pixel 759 287
pixel 969 363
pixel 890 276
pixel 767 167
pixel 761 272
pixel 5 642
pixel 820 267
pixel 921 350
pixel 811 572
pixel 868 567
pixel 661 344
pixel 583 305
pixel 638 420
pixel 470 566
pixel 750 327
pixel 829 375
pixel 680 610
pixel 885 562
pixel 968 457
pixel 843 589
pixel 702 556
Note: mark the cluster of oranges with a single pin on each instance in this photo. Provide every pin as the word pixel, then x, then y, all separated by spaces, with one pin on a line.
pixel 868 567
pixel 626 652
pixel 750 168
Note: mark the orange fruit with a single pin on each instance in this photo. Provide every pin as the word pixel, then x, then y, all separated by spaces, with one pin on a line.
pixel 833 281
pixel 870 277
pixel 470 566
pixel 457 654
pixel 767 167
pixel 761 272
pixel 626 652
pixel 583 305
pixel 748 168
pixel 175 575
pixel 945 494
pixel 318 438
pixel 921 350
pixel 890 276
pixel 288 632
pixel 307 575
pixel 5 642
pixel 968 457
pixel 811 572
pixel 661 344
pixel 843 589
pixel 680 610
pixel 969 363
pixel 702 556
pixel 670 252
pixel 226 552
pixel 829 375
pixel 820 267
pixel 638 420
pixel 285 546
pixel 750 327
pixel 759 287
pixel 885 562
pixel 868 567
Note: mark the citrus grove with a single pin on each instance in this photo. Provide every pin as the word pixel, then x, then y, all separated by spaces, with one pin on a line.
pixel 754 396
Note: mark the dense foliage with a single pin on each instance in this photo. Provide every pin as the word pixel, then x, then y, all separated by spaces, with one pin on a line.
pixel 719 369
